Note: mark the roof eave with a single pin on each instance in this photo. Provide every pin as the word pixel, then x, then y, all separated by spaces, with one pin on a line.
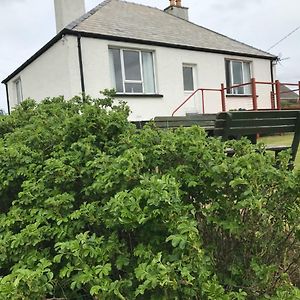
pixel 66 31
pixel 165 44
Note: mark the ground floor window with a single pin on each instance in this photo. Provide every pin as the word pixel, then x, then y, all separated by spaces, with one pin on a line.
pixel 132 71
pixel 238 72
pixel 188 78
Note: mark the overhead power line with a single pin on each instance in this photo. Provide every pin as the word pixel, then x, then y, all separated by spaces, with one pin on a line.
pixel 284 38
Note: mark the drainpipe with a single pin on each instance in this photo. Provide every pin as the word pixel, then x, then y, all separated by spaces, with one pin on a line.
pixel 272 74
pixel 81 66
pixel 7 98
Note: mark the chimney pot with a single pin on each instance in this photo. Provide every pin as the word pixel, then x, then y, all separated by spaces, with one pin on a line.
pixel 177 10
pixel 178 3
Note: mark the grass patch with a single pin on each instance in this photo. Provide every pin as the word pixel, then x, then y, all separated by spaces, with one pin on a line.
pixel 285 139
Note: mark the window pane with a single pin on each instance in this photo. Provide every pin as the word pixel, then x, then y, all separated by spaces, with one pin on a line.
pixel 133 88
pixel 148 73
pixel 132 65
pixel 237 76
pixel 237 70
pixel 247 77
pixel 188 80
pixel 247 73
pixel 116 69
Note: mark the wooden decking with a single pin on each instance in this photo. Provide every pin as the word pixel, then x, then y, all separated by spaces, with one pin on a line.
pixel 206 121
pixel 235 124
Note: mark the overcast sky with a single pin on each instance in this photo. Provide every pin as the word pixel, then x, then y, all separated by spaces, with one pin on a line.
pixel 26 25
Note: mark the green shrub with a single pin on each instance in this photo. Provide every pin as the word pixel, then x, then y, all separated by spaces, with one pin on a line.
pixel 91 208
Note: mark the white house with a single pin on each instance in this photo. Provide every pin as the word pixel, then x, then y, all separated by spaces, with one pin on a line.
pixel 154 59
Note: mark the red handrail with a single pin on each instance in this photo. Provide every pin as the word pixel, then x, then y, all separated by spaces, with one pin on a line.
pixel 253 84
pixel 292 84
pixel 185 101
pixel 237 85
pixel 265 82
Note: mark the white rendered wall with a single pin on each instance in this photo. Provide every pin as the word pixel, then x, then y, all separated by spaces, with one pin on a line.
pixel 52 74
pixel 210 73
pixel 56 72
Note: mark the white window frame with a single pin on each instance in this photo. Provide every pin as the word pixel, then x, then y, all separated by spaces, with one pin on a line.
pixel 124 74
pixel 18 90
pixel 231 92
pixel 140 51
pixel 193 67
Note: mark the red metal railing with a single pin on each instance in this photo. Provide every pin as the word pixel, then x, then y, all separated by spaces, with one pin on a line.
pixel 275 94
pixel 202 90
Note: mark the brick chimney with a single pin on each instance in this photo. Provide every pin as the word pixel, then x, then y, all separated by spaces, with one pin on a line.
pixel 177 10
pixel 67 11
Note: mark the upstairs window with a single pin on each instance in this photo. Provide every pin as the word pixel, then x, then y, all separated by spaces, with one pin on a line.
pixel 238 72
pixel 132 71
pixel 18 89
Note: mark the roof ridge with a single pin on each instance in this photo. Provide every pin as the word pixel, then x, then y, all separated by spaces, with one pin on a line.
pixel 139 4
pixel 195 24
pixel 76 22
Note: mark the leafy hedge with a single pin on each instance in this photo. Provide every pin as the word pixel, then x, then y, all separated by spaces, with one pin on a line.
pixel 91 208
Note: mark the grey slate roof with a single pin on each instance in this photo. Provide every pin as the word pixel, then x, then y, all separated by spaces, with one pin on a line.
pixel 117 18
pixel 121 20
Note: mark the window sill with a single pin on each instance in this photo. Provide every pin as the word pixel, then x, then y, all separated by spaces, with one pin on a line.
pixel 189 92
pixel 140 95
pixel 238 96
